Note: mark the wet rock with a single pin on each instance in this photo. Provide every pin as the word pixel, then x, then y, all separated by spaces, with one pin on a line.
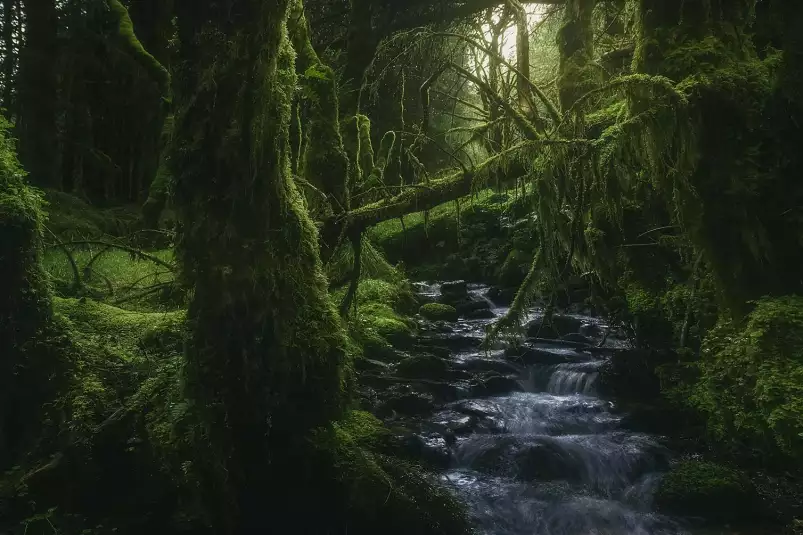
pixel 454 291
pixel 483 314
pixel 442 391
pixel 591 330
pixel 496 385
pixel 431 449
pixel 439 351
pixel 529 355
pixel 469 306
pixel 501 296
pixel 451 341
pixel 438 312
pixel 371 365
pixel 577 337
pixel 423 366
pixel 410 404
pixel 479 364
pixel 455 423
pixel 545 461
pixel 557 325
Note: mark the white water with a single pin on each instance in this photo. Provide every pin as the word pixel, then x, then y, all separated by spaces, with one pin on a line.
pixel 554 460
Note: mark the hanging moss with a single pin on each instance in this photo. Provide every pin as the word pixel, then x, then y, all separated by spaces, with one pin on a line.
pixel 326 164
pixel 366 152
pixel 128 40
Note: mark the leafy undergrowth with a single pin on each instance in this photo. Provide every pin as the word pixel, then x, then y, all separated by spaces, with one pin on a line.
pixel 483 237
pixel 751 380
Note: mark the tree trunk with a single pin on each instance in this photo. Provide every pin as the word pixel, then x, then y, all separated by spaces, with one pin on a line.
pixel 10 29
pixel 38 94
pixel 265 358
pixel 25 307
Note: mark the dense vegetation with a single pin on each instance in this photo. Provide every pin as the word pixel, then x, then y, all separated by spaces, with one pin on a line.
pixel 211 214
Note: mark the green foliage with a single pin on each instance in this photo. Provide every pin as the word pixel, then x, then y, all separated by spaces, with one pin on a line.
pixel 699 488
pixel 373 264
pixel 110 272
pixel 463 239
pixel 751 383
pixel 438 311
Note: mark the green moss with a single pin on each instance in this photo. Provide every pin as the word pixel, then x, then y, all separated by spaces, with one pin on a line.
pixel 71 218
pixel 377 319
pixel 699 488
pixel 377 493
pixel 751 384
pixel 449 242
pixel 398 295
pixel 110 272
pixel 132 45
pixel 438 311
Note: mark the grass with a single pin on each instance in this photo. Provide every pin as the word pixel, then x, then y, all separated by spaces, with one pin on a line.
pixel 109 273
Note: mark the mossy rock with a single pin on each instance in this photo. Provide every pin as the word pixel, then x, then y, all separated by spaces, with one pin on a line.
pixel 454 291
pixel 381 320
pixel 438 312
pixel 423 366
pixel 708 490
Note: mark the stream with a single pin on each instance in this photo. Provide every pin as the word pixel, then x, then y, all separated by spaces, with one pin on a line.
pixel 522 436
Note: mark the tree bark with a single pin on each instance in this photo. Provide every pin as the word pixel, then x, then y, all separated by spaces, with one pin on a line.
pixel 38 94
pixel 265 358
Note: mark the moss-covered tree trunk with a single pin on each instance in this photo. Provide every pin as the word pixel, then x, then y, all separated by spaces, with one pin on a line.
pixel 266 356
pixel 25 307
pixel 706 47
pixel 325 162
pixel 38 94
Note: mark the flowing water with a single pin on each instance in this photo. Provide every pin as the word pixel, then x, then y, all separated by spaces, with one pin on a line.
pixel 550 457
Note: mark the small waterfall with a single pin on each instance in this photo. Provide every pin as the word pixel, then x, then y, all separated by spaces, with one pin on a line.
pixel 574 378
pixel 551 460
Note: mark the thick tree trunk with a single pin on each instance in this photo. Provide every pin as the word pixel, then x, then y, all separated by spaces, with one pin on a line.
pixel 38 94
pixel 265 358
pixel 25 308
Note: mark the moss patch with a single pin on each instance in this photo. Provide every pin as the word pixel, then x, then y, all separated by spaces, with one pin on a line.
pixel 706 489
pixel 380 320
pixel 438 311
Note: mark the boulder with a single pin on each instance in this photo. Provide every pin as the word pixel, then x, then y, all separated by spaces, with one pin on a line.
pixel 430 449
pixel 577 337
pixel 410 404
pixel 501 296
pixel 558 324
pixel 423 366
pixel 495 385
pixel 468 306
pixel 438 312
pixel 483 314
pixel 591 330
pixel 454 291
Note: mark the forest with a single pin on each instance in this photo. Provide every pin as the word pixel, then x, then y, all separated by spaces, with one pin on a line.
pixel 356 267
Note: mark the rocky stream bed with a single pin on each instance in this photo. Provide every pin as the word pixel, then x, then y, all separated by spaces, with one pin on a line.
pixel 520 432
